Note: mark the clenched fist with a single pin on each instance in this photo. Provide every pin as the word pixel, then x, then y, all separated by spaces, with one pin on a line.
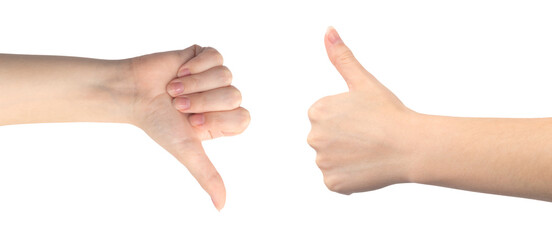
pixel 361 137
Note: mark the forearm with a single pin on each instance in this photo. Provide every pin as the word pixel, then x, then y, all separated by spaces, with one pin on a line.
pixel 501 156
pixel 39 89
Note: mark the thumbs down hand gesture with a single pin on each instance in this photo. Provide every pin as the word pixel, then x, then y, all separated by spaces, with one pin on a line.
pixel 184 97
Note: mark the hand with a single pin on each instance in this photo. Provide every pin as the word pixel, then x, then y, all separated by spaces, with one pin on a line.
pixel 209 108
pixel 362 137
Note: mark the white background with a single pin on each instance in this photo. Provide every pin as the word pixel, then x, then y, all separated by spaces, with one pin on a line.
pixel 110 181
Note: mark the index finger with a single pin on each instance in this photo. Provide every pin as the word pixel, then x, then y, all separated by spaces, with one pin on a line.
pixel 206 58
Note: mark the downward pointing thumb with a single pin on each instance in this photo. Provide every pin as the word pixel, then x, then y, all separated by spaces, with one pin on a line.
pixel 345 62
pixel 192 155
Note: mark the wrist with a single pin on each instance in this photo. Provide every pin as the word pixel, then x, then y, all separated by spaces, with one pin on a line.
pixel 412 140
pixel 116 91
pixel 434 143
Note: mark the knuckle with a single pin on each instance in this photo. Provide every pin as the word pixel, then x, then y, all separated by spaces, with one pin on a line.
pixel 244 118
pixel 335 184
pixel 317 109
pixel 196 48
pixel 312 140
pixel 323 163
pixel 345 58
pixel 212 176
pixel 225 76
pixel 209 50
pixel 213 53
pixel 234 97
pixel 331 183
pixel 312 112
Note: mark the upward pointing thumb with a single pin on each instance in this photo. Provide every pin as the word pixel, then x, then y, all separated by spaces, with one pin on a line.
pixel 345 62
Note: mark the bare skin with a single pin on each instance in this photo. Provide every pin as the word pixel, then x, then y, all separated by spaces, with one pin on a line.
pixel 42 89
pixel 367 139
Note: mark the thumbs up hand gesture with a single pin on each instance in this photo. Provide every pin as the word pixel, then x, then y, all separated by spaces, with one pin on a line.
pixel 364 137
pixel 184 97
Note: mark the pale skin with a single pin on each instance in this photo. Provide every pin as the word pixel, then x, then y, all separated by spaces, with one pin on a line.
pixel 367 139
pixel 178 98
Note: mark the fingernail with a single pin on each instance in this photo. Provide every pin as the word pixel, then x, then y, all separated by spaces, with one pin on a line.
pixel 333 36
pixel 197 120
pixel 183 72
pixel 182 103
pixel 175 88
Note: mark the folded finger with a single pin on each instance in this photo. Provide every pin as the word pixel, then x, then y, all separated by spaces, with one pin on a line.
pixel 205 58
pixel 220 124
pixel 220 99
pixel 216 77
